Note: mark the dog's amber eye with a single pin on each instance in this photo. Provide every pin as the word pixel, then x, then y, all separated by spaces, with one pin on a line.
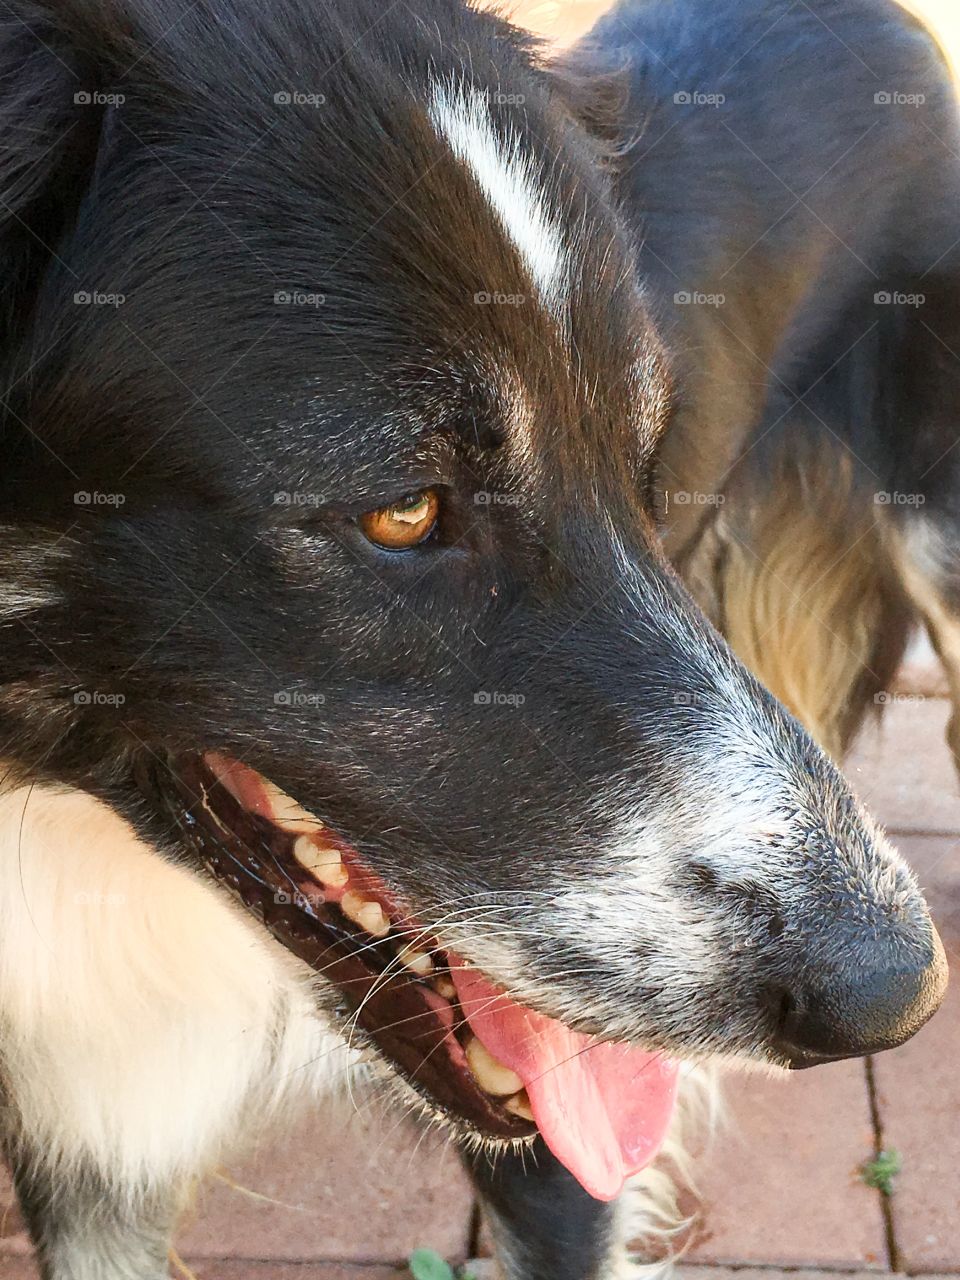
pixel 404 524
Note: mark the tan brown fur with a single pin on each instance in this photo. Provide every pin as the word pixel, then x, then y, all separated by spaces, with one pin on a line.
pixel 926 559
pixel 799 582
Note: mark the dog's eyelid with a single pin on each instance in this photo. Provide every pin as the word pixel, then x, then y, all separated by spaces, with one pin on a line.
pixel 394 483
pixel 352 506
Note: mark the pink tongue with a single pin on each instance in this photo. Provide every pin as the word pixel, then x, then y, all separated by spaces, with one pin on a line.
pixel 603 1109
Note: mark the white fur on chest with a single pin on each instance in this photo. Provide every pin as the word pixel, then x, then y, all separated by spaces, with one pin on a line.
pixel 143 1020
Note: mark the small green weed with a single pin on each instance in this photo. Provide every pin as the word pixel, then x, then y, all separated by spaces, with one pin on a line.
pixel 878 1172
pixel 426 1264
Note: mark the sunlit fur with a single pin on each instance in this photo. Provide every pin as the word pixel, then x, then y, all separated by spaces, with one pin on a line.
pixel 649 847
pixel 802 586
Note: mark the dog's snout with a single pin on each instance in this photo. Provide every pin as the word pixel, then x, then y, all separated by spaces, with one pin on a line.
pixel 856 1008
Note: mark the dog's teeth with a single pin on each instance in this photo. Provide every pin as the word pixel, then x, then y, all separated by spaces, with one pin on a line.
pixel 323 863
pixel 369 915
pixel 285 812
pixel 492 1076
pixel 519 1105
pixel 443 986
pixel 417 961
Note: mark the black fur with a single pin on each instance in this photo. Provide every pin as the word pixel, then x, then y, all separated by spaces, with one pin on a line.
pixel 545 1224
pixel 493 717
pixel 82 1228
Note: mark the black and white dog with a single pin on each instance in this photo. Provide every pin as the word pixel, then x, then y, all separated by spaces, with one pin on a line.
pixel 352 713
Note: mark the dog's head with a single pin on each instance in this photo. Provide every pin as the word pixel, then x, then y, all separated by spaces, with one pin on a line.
pixel 330 413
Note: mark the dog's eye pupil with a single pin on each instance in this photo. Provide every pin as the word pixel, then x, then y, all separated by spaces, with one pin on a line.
pixel 405 523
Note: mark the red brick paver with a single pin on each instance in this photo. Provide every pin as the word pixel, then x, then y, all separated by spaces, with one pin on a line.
pixel 23 1269
pixel 918 1089
pixel 780 1186
pixel 13 1238
pixel 252 1270
pixel 18 1268
pixel 695 1272
pixel 344 1189
pixel 901 768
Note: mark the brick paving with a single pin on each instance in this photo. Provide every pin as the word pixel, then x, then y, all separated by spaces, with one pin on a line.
pixel 354 1190
pixel 780 1188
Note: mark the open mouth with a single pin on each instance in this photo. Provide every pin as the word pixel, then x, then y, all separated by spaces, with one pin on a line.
pixel 498 1069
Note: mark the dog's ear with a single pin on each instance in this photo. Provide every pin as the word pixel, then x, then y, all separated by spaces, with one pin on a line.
pixel 50 126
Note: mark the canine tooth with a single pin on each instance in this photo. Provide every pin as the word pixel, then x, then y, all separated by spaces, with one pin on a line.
pixel 285 811
pixel 443 986
pixel 519 1105
pixel 369 915
pixel 418 961
pixel 323 863
pixel 492 1076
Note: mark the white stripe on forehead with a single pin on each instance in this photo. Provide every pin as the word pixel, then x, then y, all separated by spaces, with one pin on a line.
pixel 509 180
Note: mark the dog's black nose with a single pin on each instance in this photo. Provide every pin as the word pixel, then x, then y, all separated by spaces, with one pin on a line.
pixel 856 1009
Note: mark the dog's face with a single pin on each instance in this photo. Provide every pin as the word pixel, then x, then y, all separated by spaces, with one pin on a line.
pixel 330 442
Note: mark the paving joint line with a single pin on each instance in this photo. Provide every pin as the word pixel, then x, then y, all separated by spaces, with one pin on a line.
pixel 894 1259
